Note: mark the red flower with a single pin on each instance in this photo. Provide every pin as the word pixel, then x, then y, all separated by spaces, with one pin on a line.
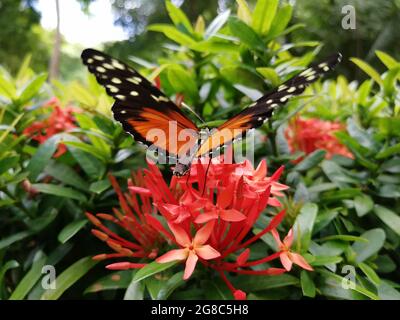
pixel 286 255
pixel 192 249
pixel 60 120
pixel 204 218
pixel 308 135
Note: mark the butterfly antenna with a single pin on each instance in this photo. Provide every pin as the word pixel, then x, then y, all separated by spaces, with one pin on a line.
pixel 183 104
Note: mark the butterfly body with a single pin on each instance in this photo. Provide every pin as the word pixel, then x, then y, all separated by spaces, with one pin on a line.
pixel 155 121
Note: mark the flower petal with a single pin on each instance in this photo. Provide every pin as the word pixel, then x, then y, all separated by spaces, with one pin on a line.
pixel 285 260
pixel 180 234
pixel 289 239
pixel 207 252
pixel 239 295
pixel 205 217
pixel 300 261
pixel 203 234
pixel 275 234
pixel 231 215
pixel 190 265
pixel 173 255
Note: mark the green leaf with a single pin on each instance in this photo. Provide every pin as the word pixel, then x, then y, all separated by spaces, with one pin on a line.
pixel 387 292
pixel 254 284
pixel 66 174
pixel 370 273
pixel 344 237
pixel 263 15
pixel 68 277
pixel 244 12
pixel 151 269
pixel 363 204
pixel 243 76
pixel 7 88
pixel 281 20
pixel 325 260
pixel 390 218
pixel 387 60
pixel 29 280
pixel 92 166
pixel 389 83
pixel 32 88
pixel 307 284
pixel 376 239
pixel 172 33
pixel 332 286
pixel 270 74
pixel 8 241
pixel 114 281
pixel 8 163
pixel 387 152
pixel 311 161
pixel 42 157
pixel 59 191
pixel 178 17
pixel 135 291
pixel 217 24
pixel 245 34
pixel 304 224
pixel 70 230
pixel 182 81
pixel 88 148
pixel 100 186
pixel 172 284
pixel 11 264
pixel 368 70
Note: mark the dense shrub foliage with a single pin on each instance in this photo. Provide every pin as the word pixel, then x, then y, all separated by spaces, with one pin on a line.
pixel 62 155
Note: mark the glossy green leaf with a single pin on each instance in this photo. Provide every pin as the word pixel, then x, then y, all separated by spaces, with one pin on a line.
pixel 368 70
pixel 370 273
pixel 217 24
pixel 253 284
pixel 70 230
pixel 364 250
pixel 32 88
pixel 115 281
pixel 42 157
pixel 100 186
pixel 281 20
pixel 173 33
pixel 363 204
pixel 304 224
pixel 178 17
pixel 311 160
pixel 263 15
pixel 8 241
pixel 387 60
pixel 60 191
pixel 151 269
pixel 66 174
pixel 182 81
pixel 11 264
pixel 170 286
pixel 29 280
pixel 68 277
pixel 390 218
pixel 307 284
pixel 245 33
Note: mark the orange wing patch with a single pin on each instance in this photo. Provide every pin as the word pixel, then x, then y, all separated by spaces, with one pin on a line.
pixel 226 133
pixel 168 131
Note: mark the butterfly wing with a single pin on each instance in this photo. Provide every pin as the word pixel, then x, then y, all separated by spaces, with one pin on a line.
pixel 260 111
pixel 143 110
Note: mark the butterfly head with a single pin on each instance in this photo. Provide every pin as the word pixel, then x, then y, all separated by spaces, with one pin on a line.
pixel 181 169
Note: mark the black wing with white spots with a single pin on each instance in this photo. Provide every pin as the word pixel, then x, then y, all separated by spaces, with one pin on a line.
pixel 261 110
pixel 139 106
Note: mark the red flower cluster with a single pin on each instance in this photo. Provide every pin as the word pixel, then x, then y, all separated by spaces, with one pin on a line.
pixel 206 217
pixel 308 135
pixel 60 120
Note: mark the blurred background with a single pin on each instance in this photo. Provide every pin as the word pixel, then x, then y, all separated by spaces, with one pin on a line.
pixel 54 32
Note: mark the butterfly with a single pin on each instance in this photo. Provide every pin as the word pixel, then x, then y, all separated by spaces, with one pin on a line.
pixel 148 114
